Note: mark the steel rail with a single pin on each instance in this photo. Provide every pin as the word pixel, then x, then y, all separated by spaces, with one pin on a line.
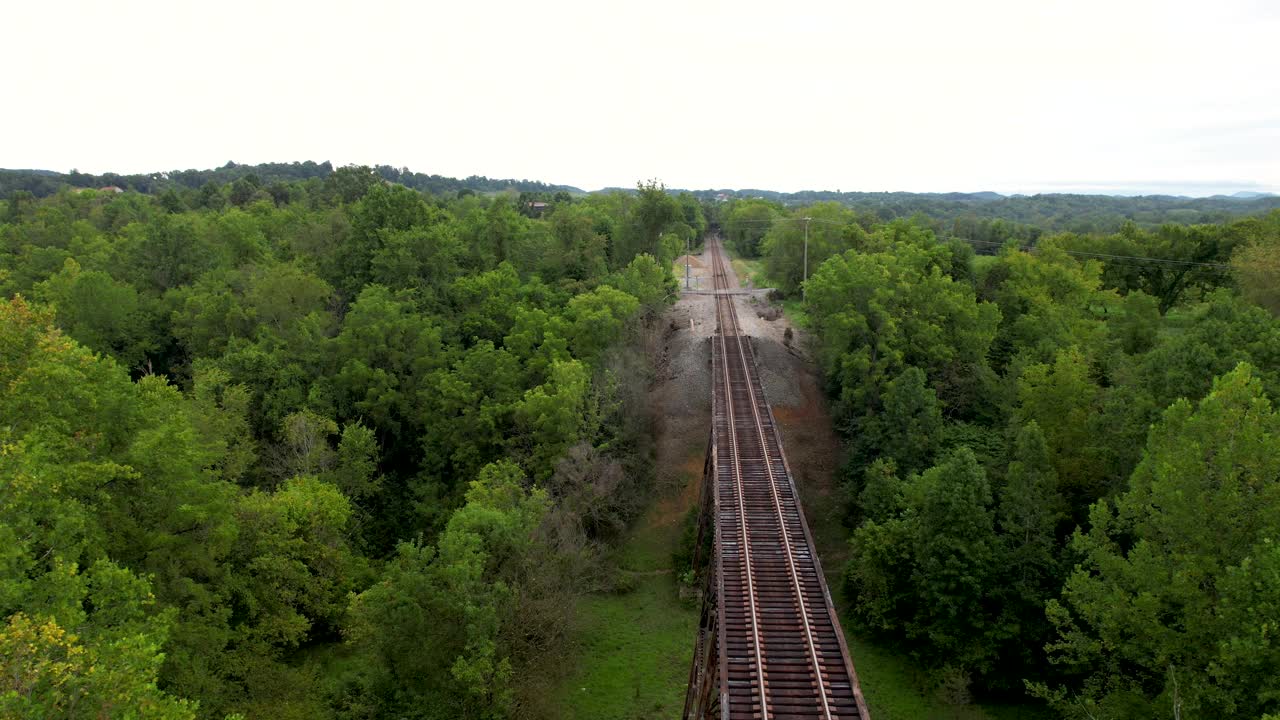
pixel 742 521
pixel 725 309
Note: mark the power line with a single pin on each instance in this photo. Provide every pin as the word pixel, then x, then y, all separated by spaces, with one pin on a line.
pixel 781 219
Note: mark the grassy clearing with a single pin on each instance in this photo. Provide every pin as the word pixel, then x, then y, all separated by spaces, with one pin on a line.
pixel 747 269
pixel 635 651
pixel 895 689
pixel 750 270
pixel 793 308
pixel 634 648
pixel 892 685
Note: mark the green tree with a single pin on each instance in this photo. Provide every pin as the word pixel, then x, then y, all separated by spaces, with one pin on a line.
pixel 1138 328
pixel 552 417
pixel 295 568
pixel 244 189
pixel 219 412
pixel 1048 301
pixel 384 347
pixel 907 428
pixel 648 282
pixel 490 233
pixel 212 196
pixel 954 550
pixel 876 314
pixel 486 303
pixel 1029 512
pixel 582 249
pixel 831 231
pixel 238 237
pixel 279 296
pixel 1191 259
pixel 99 312
pixel 746 224
pixel 652 212
pixel 1255 263
pixel 355 470
pixel 383 210
pixel 97 467
pixel 692 215
pixel 924 576
pixel 470 407
pixel 422 258
pixel 430 628
pixel 1164 608
pixel 1066 403
pixel 1221 333
pixel 165 252
pixel 598 319
pixel 206 315
pixel 882 495
pixel 90 665
pixel 350 183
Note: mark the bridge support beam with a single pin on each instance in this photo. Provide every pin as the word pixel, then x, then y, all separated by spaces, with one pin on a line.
pixel 702 699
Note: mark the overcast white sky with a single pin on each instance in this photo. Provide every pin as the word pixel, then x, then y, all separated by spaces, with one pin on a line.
pixel 1009 95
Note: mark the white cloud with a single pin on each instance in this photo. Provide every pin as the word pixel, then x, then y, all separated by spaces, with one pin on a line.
pixel 992 94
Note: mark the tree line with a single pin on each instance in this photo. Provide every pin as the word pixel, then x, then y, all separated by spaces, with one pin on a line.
pixel 1063 473
pixel 42 183
pixel 319 448
pixel 989 216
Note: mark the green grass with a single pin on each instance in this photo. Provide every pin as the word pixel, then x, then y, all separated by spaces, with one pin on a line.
pixel 634 649
pixel 793 308
pixel 891 684
pixel 650 545
pixel 635 653
pixel 894 689
pixel 752 270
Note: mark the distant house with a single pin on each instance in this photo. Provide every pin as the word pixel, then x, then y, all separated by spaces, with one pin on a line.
pixel 111 189
pixel 537 207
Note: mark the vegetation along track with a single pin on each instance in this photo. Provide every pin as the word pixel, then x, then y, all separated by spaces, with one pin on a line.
pixel 770 644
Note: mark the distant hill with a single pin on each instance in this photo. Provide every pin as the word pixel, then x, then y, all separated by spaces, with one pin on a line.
pixel 46 182
pixel 1051 212
pixel 973 214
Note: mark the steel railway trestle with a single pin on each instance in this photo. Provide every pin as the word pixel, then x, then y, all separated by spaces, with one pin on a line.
pixel 769 644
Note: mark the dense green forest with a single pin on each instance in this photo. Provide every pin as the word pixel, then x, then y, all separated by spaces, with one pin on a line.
pixel 980 216
pixel 324 447
pixel 1063 474
pixel 273 176
pixel 329 446
pixel 990 216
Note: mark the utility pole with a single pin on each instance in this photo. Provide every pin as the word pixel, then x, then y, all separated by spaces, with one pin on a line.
pixel 688 248
pixel 804 291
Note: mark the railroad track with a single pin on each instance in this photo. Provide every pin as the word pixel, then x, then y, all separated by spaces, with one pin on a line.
pixel 770 645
